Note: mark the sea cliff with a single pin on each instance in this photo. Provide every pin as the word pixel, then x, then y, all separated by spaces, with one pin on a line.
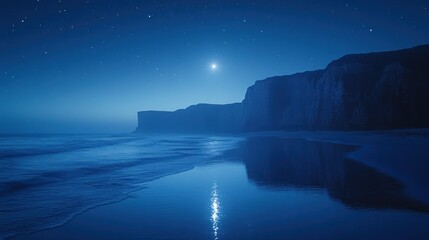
pixel 384 90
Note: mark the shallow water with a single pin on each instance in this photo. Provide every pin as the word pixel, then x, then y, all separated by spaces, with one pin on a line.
pixel 45 180
pixel 217 188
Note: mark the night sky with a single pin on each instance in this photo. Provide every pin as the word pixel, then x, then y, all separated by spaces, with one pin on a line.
pixel 89 66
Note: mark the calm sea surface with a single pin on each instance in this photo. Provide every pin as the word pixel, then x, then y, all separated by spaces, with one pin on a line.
pixel 198 187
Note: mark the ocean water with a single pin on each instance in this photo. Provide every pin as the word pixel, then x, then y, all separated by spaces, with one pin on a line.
pixel 198 187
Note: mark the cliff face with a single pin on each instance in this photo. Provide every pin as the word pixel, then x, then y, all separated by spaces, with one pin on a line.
pixel 356 92
pixel 200 118
pixel 368 91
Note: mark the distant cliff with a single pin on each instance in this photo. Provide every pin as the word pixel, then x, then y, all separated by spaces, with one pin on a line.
pixel 356 92
pixel 200 118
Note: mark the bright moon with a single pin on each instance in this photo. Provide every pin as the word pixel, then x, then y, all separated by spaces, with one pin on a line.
pixel 213 66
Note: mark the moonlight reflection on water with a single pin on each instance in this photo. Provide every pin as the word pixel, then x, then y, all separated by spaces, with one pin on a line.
pixel 215 207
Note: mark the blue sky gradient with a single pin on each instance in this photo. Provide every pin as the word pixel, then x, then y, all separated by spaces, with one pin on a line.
pixel 88 66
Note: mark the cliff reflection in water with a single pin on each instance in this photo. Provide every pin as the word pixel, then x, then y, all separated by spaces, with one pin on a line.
pixel 276 162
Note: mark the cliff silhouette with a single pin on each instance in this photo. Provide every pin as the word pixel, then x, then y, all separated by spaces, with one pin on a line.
pixel 384 90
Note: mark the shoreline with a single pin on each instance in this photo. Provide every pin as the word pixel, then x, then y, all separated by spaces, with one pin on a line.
pixel 383 151
pixel 401 153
